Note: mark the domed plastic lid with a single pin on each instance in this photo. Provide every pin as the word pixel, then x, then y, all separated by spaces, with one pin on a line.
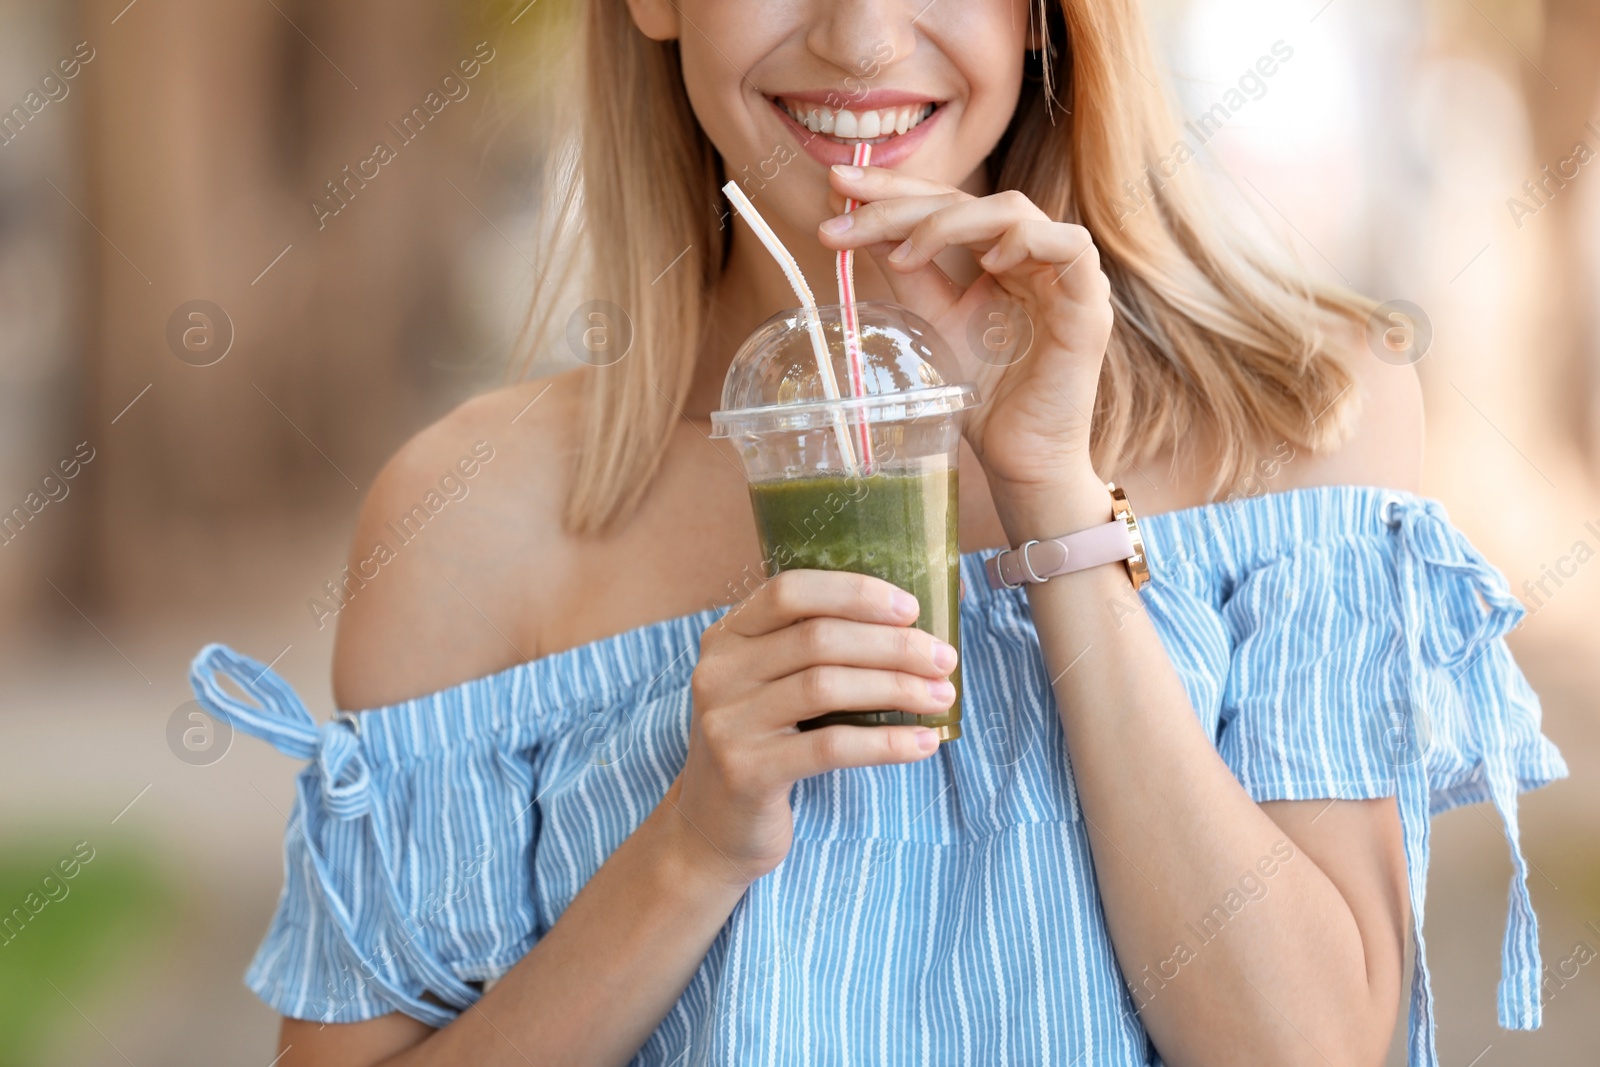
pixel 774 384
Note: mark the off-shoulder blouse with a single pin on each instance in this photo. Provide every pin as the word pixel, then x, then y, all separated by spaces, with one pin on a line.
pixel 1336 642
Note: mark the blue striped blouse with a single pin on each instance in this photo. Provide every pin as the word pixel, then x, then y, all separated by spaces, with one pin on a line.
pixel 1338 642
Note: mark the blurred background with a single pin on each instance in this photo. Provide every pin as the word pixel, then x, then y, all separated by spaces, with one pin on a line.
pixel 221 334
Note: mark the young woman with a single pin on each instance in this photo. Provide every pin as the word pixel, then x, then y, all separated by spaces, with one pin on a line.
pixel 577 823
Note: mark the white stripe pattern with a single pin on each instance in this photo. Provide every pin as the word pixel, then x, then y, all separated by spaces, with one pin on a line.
pixel 1336 642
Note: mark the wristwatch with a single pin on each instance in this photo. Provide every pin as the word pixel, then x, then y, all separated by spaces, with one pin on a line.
pixel 1039 561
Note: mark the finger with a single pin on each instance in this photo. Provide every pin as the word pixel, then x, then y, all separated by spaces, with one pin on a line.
pixel 826 640
pixel 978 225
pixel 928 290
pixel 829 687
pixel 880 183
pixel 1064 246
pixel 804 755
pixel 880 221
pixel 883 226
pixel 804 594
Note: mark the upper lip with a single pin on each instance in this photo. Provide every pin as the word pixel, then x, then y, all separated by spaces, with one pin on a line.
pixel 857 101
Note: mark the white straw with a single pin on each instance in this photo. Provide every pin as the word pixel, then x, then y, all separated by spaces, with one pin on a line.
pixel 797 281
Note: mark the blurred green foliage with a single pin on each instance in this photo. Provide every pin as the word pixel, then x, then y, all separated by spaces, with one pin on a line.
pixel 87 931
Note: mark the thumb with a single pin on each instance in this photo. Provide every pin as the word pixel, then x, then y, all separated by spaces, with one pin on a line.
pixel 952 309
pixel 928 290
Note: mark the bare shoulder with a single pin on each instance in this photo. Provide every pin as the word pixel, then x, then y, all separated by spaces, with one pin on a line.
pixel 436 591
pixel 1384 447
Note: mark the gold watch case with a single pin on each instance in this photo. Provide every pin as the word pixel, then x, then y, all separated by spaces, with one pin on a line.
pixel 1138 564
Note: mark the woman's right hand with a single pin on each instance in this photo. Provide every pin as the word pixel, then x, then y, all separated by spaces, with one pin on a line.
pixel 806 643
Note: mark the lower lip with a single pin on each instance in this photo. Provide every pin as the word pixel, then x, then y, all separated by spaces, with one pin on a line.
pixel 885 154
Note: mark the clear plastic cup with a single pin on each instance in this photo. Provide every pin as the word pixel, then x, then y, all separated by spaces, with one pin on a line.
pixel 820 506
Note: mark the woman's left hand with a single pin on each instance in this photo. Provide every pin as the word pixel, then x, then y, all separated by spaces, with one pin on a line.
pixel 1039 276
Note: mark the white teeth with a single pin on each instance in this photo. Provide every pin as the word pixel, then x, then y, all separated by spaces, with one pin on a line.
pixel 858 125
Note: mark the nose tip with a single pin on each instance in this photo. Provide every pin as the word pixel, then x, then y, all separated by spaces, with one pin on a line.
pixel 862 38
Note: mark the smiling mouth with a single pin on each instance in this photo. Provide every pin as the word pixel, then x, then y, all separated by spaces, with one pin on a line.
pixel 846 126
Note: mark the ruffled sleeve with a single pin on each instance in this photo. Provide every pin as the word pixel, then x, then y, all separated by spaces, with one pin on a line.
pixel 402 819
pixel 1374 664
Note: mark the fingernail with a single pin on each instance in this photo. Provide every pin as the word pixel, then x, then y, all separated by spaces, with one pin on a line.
pixel 845 170
pixel 899 254
pixel 927 739
pixel 906 604
pixel 944 655
pixel 837 224
pixel 942 689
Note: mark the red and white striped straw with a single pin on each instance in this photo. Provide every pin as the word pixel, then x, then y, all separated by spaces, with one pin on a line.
pixel 845 269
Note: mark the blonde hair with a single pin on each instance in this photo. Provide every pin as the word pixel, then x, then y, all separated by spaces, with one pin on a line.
pixel 1212 336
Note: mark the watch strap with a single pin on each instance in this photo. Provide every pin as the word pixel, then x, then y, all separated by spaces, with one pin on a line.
pixel 1038 561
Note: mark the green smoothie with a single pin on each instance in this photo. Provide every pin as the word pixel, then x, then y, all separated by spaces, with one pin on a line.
pixel 897 525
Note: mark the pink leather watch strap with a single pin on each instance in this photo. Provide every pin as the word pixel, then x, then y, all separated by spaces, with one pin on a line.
pixel 1037 561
